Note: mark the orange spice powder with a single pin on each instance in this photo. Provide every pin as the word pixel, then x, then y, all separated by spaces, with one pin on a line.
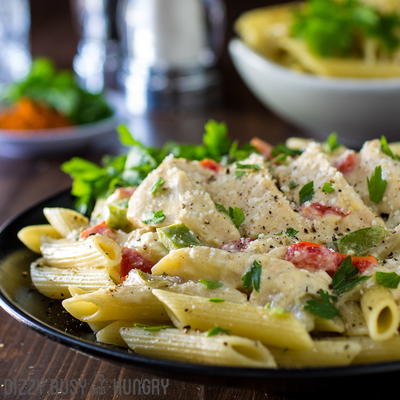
pixel 27 115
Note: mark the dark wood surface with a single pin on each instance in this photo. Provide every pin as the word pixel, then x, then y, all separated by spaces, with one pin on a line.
pixel 36 367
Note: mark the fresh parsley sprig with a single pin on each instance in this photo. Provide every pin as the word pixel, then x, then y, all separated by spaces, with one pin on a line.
pixel 323 306
pixel 306 192
pixel 236 214
pixel 387 150
pixel 155 218
pixel 252 278
pixel 376 185
pixel 346 277
pixel 390 280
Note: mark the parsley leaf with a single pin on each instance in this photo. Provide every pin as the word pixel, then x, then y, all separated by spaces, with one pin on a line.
pixel 252 278
pixel 376 185
pixel 360 241
pixel 157 186
pixel 331 143
pixel 211 284
pixel 291 232
pixel 287 151
pixel 216 139
pixel 247 166
pixel 346 277
pixel 216 331
pixel 387 150
pixel 390 280
pixel 155 218
pixel 216 300
pixel 306 192
pixel 323 306
pixel 239 173
pixel 327 187
pixel 234 213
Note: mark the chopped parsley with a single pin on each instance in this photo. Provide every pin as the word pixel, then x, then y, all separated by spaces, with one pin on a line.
pixel 155 218
pixel 390 280
pixel 216 300
pixel 376 185
pixel 387 150
pixel 306 192
pixel 331 143
pixel 216 331
pixel 360 241
pixel 323 306
pixel 239 173
pixel 285 150
pixel 327 187
pixel 293 185
pixel 153 328
pixel 346 277
pixel 157 186
pixel 291 232
pixel 247 166
pixel 252 278
pixel 211 284
pixel 236 214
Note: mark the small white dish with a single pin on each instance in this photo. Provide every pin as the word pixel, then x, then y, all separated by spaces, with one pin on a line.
pixel 47 142
pixel 358 109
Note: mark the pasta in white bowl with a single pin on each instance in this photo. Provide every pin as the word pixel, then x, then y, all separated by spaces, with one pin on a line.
pixel 286 256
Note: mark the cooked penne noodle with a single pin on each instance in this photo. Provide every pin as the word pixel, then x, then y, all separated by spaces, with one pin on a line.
pixel 353 318
pixel 128 303
pixel 329 325
pixel 373 351
pixel 64 220
pixel 31 235
pixel 324 353
pixel 97 326
pixel 381 313
pixel 197 347
pixel 94 252
pixel 56 283
pixel 110 333
pixel 201 313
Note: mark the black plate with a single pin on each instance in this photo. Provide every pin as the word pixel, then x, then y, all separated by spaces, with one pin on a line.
pixel 46 316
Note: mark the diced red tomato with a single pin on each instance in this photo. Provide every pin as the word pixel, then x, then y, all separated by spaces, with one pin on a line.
pixel 314 256
pixel 346 162
pixel 131 259
pixel 101 229
pixel 237 245
pixel 262 147
pixel 318 210
pixel 210 164
pixel 363 263
pixel 125 192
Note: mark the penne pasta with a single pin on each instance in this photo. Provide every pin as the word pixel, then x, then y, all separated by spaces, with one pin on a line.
pixel 240 319
pixel 128 303
pixel 31 235
pixel 381 313
pixel 323 353
pixel 197 347
pixel 58 283
pixel 64 220
pixel 94 252
pixel 110 333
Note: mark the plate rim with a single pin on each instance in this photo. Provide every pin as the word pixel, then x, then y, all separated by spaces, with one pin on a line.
pixel 166 366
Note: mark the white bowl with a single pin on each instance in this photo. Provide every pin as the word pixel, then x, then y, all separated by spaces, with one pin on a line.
pixel 358 109
pixel 47 142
